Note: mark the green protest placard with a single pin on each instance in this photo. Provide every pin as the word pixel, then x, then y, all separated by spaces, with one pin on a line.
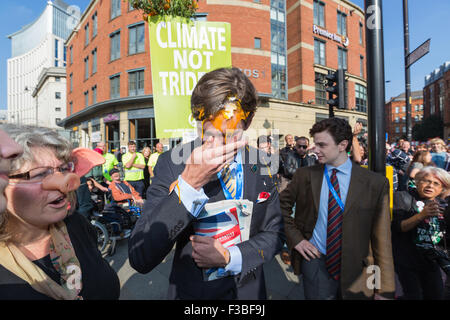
pixel 182 51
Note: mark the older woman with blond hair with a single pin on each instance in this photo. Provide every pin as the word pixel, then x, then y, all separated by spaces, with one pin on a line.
pixel 417 231
pixel 47 249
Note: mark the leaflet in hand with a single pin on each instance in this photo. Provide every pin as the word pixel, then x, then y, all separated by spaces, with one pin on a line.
pixel 227 221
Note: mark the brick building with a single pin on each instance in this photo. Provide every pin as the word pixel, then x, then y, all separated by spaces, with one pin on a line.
pixel 436 93
pixel 282 46
pixel 395 111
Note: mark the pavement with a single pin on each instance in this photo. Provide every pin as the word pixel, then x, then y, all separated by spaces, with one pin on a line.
pixel 281 283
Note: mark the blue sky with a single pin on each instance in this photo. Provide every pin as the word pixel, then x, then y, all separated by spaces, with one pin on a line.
pixel 427 19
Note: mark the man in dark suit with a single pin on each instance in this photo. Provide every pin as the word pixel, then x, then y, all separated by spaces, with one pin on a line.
pixel 192 175
pixel 339 237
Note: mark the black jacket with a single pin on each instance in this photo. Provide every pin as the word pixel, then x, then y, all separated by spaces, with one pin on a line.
pixel 293 162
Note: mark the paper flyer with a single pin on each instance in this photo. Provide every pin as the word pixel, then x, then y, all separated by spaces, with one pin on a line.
pixel 227 221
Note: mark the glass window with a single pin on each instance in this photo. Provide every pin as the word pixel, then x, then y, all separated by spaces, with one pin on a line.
pixel 136 83
pixel 115 87
pixel 57 95
pixel 396 109
pixel 136 39
pixel 71 107
pixel 71 82
pixel 361 66
pixel 94 61
pixel 115 45
pixel 319 52
pixel 143 132
pixel 360 97
pixel 86 98
pixel 57 109
pixel 361 32
pixel 94 25
pixel 86 34
pixel 321 93
pixel 341 23
pixel 342 58
pixel 257 43
pixel 115 8
pixel 86 68
pixel 94 94
pixel 71 54
pixel 319 13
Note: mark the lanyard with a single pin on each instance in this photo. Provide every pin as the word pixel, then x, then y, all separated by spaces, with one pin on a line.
pixel 333 192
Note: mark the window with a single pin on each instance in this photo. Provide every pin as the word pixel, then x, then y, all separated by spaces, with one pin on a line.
pixel 403 109
pixel 361 32
pixel 57 109
pixel 432 105
pixel 361 66
pixel 94 25
pixel 71 107
pixel 397 130
pixel 136 39
pixel 130 6
pixel 319 13
pixel 257 42
pixel 71 54
pixel 58 79
pixel 56 52
pixel 360 98
pixel 115 8
pixel 57 120
pixel 321 93
pixel 65 55
pixel 342 58
pixel 115 87
pixel 94 94
pixel 86 68
pixel 278 48
pixel 86 34
pixel 94 61
pixel 86 98
pixel 341 23
pixel 115 45
pixel 396 109
pixel 71 82
pixel 397 119
pixel 136 83
pixel 57 95
pixel 319 52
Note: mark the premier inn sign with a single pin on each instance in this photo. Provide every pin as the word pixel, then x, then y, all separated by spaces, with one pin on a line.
pixel 332 36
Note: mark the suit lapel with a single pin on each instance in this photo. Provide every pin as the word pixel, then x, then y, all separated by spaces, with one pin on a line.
pixel 250 177
pixel 355 190
pixel 316 185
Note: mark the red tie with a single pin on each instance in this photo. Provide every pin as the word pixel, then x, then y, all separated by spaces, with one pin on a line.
pixel 334 231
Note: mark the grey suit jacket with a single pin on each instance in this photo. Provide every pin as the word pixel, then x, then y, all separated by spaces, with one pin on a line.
pixel 166 222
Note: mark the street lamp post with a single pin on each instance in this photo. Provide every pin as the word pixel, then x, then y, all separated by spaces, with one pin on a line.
pixel 407 70
pixel 375 85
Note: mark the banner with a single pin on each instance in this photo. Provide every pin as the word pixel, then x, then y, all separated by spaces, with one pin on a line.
pixel 181 52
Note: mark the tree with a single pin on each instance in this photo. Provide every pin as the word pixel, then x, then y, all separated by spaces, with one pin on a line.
pixel 180 8
pixel 431 127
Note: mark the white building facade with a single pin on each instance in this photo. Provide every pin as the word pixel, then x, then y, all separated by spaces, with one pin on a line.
pixel 37 46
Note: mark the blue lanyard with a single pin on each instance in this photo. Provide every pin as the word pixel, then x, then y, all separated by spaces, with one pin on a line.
pixel 333 192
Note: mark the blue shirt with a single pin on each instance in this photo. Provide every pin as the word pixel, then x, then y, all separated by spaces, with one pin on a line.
pixel 343 175
pixel 194 201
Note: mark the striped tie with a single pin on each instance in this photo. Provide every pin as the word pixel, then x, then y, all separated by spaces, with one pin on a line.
pixel 334 231
pixel 229 180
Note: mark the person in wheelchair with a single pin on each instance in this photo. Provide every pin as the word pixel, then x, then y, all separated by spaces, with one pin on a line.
pixel 98 194
pixel 122 192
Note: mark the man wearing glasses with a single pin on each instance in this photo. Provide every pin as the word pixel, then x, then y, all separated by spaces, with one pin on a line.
pixel 300 158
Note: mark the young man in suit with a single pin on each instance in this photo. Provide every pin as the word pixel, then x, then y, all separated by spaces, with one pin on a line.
pixel 339 237
pixel 192 175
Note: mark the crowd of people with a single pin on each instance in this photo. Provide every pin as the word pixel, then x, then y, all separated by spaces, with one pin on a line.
pixel 225 212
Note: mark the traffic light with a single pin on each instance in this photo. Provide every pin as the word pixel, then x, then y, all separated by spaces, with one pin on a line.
pixel 336 86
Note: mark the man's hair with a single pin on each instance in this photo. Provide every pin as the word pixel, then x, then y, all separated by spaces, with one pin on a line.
pixel 262 139
pixel 131 143
pixel 338 128
pixel 215 87
pixel 301 138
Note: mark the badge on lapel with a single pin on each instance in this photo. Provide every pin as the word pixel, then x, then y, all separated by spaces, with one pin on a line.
pixel 263 196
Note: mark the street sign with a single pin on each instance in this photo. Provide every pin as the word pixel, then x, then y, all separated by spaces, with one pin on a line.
pixel 420 51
